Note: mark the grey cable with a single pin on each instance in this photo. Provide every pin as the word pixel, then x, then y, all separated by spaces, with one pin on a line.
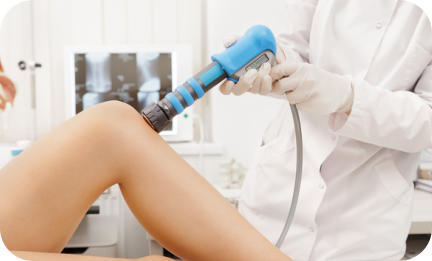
pixel 298 177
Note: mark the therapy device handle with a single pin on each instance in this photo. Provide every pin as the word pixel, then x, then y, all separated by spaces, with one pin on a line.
pixel 257 40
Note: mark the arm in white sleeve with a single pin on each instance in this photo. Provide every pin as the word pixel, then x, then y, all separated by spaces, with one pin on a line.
pixel 400 120
pixel 295 41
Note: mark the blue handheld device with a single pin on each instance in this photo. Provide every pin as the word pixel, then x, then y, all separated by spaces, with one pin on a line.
pixel 255 48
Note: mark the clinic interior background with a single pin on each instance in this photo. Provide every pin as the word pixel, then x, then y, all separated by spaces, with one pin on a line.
pixel 41 29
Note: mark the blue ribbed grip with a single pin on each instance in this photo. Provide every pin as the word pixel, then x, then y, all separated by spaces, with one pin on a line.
pixel 196 86
pixel 186 95
pixel 175 102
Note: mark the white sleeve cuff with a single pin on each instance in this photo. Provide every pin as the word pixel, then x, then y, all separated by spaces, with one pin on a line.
pixel 290 54
pixel 344 124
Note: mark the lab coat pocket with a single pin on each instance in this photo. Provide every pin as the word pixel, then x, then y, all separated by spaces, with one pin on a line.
pixel 270 176
pixel 393 181
pixel 269 152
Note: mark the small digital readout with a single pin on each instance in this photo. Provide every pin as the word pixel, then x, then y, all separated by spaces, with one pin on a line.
pixel 258 62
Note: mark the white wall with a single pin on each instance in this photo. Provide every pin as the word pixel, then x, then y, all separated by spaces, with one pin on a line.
pixel 238 122
pixel 16 45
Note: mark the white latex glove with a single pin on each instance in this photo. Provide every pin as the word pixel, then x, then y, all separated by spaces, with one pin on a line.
pixel 253 81
pixel 313 89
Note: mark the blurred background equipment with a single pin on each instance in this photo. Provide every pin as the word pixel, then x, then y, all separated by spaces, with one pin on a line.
pixel 32 67
pixel 136 75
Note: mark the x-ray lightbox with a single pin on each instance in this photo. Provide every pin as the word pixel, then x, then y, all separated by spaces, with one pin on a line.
pixel 136 75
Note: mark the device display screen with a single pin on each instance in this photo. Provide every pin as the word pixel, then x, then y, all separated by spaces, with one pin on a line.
pixel 258 62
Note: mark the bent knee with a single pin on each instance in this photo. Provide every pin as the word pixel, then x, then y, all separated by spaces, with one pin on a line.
pixel 109 123
pixel 115 125
pixel 111 118
pixel 114 111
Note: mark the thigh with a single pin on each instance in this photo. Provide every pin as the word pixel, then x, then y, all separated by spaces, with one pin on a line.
pixel 46 191
pixel 34 256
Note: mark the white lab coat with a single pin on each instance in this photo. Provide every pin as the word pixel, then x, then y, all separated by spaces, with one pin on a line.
pixel 356 194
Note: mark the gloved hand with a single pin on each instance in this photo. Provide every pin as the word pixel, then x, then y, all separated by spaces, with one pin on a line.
pixel 253 81
pixel 313 89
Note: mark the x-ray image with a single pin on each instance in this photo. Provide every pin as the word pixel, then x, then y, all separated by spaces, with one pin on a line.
pixel 98 70
pixel 138 79
pixel 148 79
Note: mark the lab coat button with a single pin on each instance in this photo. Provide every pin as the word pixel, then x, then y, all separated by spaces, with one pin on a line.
pixel 379 25
pixel 321 186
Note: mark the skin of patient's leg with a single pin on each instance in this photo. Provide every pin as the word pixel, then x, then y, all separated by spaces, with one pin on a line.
pixel 45 192
pixel 61 257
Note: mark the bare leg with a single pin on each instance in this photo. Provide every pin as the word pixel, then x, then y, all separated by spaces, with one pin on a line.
pixel 45 192
pixel 61 257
